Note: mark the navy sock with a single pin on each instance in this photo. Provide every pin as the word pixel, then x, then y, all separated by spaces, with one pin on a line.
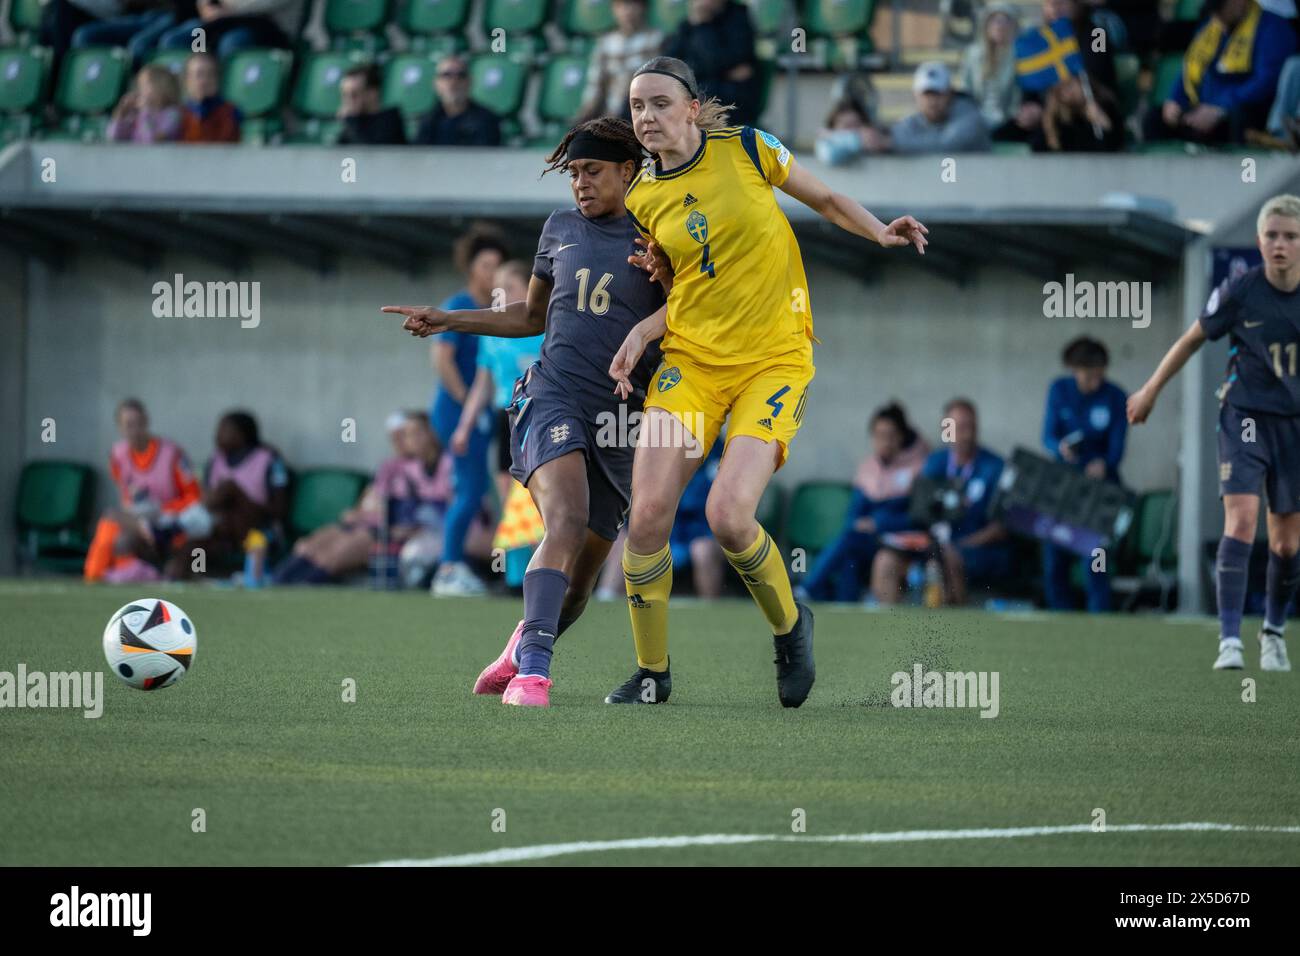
pixel 1230 574
pixel 292 570
pixel 543 595
pixel 1283 576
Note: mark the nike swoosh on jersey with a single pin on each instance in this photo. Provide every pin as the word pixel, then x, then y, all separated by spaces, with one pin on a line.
pixel 1252 325
pixel 569 246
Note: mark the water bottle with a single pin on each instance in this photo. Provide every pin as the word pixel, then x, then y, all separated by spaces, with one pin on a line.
pixel 933 583
pixel 254 558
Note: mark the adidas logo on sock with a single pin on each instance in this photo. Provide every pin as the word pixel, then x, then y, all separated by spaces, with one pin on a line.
pixel 637 600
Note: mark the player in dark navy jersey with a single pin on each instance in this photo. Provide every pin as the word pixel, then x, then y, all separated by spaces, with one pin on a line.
pixel 1259 427
pixel 566 443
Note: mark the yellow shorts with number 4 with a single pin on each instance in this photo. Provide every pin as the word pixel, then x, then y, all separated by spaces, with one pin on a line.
pixel 765 401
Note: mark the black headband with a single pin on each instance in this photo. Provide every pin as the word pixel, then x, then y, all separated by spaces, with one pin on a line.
pixel 586 145
pixel 689 88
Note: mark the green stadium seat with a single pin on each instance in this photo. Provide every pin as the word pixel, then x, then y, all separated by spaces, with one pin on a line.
pixel 665 15
pixel 588 18
pixel 1148 554
pixel 408 83
pixel 816 514
pixel 317 92
pixel 1127 68
pixel 317 131
pixel 174 60
pixel 356 24
pixel 320 495
pixel 22 78
pixel 768 16
pixel 25 18
pixel 1167 72
pixel 514 16
pixel 52 514
pixel 562 85
pixel 836 18
pixel 91 81
pixel 255 81
pixel 434 16
pixel 1188 10
pixel 497 82
pixel 771 511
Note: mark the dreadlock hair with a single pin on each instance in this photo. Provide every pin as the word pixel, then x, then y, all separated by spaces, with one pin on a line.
pixel 612 129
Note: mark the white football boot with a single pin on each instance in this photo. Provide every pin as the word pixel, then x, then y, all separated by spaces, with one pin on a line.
pixel 1272 652
pixel 455 579
pixel 1230 657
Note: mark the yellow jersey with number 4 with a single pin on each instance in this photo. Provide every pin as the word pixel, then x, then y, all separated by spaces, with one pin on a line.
pixel 739 291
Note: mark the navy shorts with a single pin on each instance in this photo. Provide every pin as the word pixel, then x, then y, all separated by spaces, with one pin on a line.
pixel 546 423
pixel 1272 460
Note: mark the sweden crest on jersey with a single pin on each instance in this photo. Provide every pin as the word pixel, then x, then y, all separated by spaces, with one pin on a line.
pixel 698 226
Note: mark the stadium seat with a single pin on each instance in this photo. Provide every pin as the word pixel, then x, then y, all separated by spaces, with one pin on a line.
pixel 561 93
pixel 522 21
pixel 317 92
pixel 767 16
pixel 497 82
pixel 25 19
pixel 174 60
pixel 408 83
pixel 255 82
pixel 835 18
pixel 90 83
pixel 1149 552
pixel 320 495
pixel 54 508
pixel 771 511
pixel 1127 68
pixel 1167 72
pixel 665 15
pixel 816 514
pixel 1188 10
pixel 587 18
pixel 435 26
pixel 23 74
pixel 356 24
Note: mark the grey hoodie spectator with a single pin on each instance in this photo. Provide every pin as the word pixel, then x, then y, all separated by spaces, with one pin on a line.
pixel 945 122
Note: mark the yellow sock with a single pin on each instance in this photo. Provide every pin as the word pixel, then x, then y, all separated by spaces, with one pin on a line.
pixel 761 568
pixel 649 580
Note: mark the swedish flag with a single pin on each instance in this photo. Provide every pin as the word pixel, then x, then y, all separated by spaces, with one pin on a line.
pixel 1046 55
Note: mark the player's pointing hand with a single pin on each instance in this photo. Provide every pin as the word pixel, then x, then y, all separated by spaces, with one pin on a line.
pixel 905 231
pixel 421 320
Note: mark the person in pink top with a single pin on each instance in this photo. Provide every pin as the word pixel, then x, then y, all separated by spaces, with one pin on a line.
pixel 412 488
pixel 882 489
pixel 150 112
pixel 245 488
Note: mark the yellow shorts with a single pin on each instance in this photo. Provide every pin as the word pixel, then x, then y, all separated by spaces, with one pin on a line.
pixel 764 401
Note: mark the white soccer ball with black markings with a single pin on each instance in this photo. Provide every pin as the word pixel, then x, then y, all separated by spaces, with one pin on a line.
pixel 150 644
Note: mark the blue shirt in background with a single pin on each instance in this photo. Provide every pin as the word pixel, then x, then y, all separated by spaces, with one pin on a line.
pixel 1097 423
pixel 978 480
pixel 506 360
pixel 446 410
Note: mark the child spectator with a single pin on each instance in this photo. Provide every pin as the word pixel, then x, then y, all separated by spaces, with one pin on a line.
pixel 149 112
pixel 208 117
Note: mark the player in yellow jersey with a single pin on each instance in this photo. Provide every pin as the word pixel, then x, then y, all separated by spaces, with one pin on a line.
pixel 737 344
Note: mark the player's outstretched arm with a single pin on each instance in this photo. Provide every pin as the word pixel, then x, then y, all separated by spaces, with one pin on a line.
pixel 1141 402
pixel 650 329
pixel 514 320
pixel 849 215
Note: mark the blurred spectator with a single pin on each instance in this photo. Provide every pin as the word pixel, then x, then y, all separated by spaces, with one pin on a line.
pixel 246 490
pixel 61 19
pixel 501 361
pixel 1085 425
pixel 614 59
pixel 457 120
pixel 988 69
pixel 150 111
pixel 365 122
pixel 691 541
pixel 973 549
pixel 408 496
pixel 1141 20
pixel 881 491
pixel 1098 64
pixel 208 118
pixel 1284 116
pixel 232 25
pixel 849 132
pixel 717 40
pixel 1073 123
pixel 478 255
pixel 158 497
pixel 945 122
pixel 1229 77
pixel 137 27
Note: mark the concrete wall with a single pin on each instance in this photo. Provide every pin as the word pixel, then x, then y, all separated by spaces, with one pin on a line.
pixel 323 353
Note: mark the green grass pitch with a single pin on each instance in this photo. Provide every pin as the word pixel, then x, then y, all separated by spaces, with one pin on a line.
pixel 1118 713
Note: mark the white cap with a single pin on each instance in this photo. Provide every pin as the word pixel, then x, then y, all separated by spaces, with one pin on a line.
pixel 394 422
pixel 932 77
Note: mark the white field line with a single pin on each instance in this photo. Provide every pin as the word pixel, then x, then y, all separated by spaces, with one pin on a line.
pixel 518 854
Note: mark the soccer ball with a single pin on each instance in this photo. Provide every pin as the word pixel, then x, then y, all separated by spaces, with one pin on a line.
pixel 150 644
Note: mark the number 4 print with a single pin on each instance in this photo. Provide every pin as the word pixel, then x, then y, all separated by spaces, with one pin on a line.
pixel 705 264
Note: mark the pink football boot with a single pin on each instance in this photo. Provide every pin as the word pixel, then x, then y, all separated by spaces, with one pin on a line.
pixel 498 674
pixel 528 691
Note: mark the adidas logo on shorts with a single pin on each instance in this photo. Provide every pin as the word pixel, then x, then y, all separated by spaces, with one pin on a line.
pixel 766 423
